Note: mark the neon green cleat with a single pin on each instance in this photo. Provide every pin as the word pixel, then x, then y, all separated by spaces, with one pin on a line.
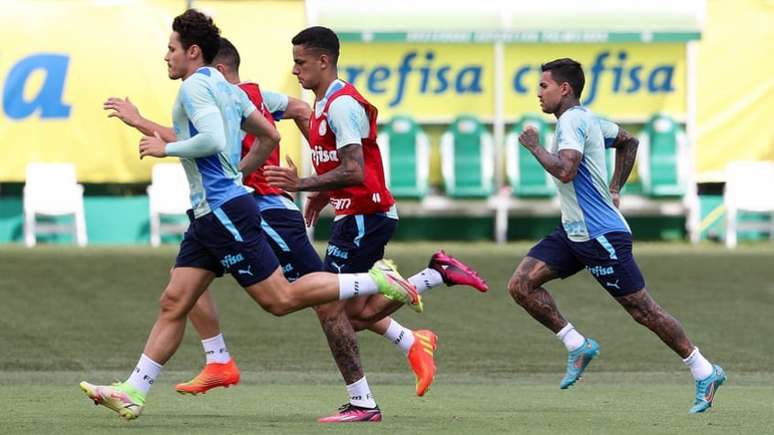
pixel 393 286
pixel 120 397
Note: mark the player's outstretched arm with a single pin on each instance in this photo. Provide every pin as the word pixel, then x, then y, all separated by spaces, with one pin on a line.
pixel 128 113
pixel 563 166
pixel 625 155
pixel 266 139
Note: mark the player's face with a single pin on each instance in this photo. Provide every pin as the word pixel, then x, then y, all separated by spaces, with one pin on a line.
pixel 549 93
pixel 176 58
pixel 306 67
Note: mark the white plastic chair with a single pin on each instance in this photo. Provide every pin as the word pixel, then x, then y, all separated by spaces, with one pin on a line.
pixel 168 195
pixel 748 188
pixel 52 189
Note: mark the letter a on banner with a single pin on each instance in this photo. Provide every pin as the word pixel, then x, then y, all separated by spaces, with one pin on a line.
pixel 48 99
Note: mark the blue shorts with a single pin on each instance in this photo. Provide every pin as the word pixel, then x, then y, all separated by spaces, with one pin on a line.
pixel 229 238
pixel 357 242
pixel 286 232
pixel 608 258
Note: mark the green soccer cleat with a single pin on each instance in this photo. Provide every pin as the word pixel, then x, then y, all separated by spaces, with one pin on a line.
pixel 706 388
pixel 393 286
pixel 120 397
pixel 577 361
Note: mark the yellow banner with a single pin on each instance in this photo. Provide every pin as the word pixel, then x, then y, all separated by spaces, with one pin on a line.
pixel 425 80
pixel 735 101
pixel 622 80
pixel 436 81
pixel 61 59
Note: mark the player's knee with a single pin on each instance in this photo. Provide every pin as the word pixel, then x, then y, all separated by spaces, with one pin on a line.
pixel 518 287
pixel 171 304
pixel 279 305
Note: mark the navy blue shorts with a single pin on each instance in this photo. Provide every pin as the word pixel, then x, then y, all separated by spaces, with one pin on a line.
pixel 286 232
pixel 229 238
pixel 357 242
pixel 608 258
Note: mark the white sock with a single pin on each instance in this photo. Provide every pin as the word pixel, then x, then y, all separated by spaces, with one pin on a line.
pixel 144 375
pixel 356 284
pixel 699 366
pixel 570 337
pixel 426 279
pixel 215 350
pixel 360 394
pixel 401 337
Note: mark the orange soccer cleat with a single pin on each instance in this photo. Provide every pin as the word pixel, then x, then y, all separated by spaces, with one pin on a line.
pixel 420 357
pixel 213 375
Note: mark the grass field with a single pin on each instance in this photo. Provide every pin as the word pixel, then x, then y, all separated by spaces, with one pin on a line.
pixel 70 314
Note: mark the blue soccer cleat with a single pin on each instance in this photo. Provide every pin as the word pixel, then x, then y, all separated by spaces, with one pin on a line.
pixel 577 360
pixel 706 388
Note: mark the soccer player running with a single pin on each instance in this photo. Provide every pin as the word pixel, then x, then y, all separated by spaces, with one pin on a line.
pixel 282 221
pixel 350 176
pixel 593 233
pixel 284 224
pixel 225 230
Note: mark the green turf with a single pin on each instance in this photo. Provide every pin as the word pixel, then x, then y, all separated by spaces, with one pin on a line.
pixel 68 314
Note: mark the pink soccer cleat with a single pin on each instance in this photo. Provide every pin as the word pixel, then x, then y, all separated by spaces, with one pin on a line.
pixel 350 413
pixel 455 272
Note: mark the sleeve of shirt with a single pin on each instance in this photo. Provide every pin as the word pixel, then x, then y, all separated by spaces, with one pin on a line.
pixel 196 97
pixel 571 133
pixel 348 121
pixel 210 138
pixel 609 131
pixel 275 103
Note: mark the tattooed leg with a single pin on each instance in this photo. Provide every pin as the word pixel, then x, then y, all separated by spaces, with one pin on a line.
pixel 645 310
pixel 525 288
pixel 341 339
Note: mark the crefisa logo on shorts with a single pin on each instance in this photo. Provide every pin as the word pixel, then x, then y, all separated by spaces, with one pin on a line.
pixel 230 260
pixel 601 270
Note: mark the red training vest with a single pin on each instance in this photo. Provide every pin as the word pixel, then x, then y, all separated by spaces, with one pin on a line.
pixel 372 195
pixel 256 180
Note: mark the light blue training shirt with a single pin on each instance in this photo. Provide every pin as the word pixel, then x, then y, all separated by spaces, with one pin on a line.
pixel 587 207
pixel 207 117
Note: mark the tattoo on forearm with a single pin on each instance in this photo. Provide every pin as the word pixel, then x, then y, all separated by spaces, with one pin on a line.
pixel 349 172
pixel 625 155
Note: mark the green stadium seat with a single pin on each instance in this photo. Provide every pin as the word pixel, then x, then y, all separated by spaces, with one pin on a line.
pixel 526 176
pixel 406 157
pixel 663 157
pixel 467 158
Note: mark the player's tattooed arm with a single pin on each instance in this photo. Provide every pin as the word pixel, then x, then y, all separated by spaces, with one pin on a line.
pixel 348 173
pixel 128 113
pixel 625 155
pixel 300 112
pixel 563 166
pixel 266 139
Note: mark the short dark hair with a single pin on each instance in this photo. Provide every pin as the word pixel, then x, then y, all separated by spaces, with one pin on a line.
pixel 319 38
pixel 566 70
pixel 195 28
pixel 228 55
